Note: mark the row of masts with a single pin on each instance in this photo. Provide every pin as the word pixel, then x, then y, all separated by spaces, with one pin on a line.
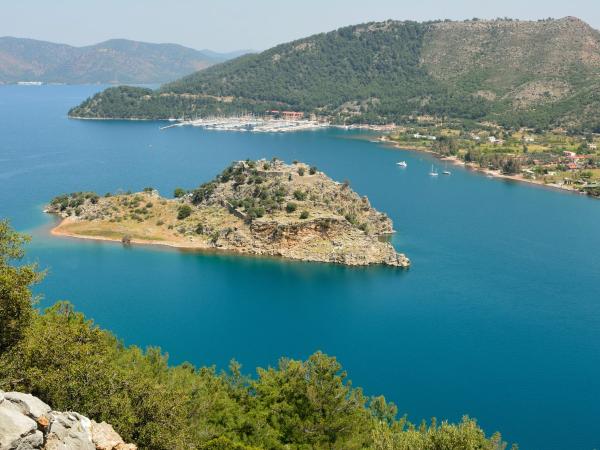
pixel 250 122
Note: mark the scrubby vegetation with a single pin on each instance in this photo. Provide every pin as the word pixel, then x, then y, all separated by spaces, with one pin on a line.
pixel 68 361
pixel 179 192
pixel 74 200
pixel 259 188
pixel 183 212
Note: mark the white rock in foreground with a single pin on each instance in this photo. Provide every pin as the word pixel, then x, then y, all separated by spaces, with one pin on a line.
pixel 27 423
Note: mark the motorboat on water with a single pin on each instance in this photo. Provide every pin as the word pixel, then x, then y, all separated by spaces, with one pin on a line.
pixel 402 164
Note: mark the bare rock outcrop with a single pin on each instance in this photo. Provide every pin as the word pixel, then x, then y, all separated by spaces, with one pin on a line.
pixel 27 423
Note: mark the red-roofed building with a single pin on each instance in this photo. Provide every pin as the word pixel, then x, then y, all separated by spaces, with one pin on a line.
pixel 292 115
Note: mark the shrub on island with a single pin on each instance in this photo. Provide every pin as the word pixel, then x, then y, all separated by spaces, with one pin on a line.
pixel 183 212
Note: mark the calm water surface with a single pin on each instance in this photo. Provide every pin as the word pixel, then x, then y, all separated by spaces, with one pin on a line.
pixel 498 318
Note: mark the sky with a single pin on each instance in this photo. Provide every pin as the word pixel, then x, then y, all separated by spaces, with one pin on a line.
pixel 227 25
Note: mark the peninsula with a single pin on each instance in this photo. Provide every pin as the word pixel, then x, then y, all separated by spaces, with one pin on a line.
pixel 253 207
pixel 537 74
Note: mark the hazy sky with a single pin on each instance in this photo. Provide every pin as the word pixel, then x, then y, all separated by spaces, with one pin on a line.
pixel 225 25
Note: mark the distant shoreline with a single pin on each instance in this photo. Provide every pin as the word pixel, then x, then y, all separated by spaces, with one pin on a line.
pixel 488 172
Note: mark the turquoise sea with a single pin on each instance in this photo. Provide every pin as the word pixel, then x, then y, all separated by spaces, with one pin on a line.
pixel 499 317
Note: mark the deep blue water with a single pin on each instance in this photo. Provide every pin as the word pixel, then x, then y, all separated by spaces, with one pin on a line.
pixel 498 318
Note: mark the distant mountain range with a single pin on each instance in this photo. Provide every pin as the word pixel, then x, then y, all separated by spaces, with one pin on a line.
pixel 116 61
pixel 518 73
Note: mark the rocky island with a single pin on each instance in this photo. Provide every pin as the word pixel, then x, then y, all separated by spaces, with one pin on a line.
pixel 253 207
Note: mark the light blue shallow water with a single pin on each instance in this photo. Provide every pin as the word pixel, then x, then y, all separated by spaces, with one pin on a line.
pixel 498 318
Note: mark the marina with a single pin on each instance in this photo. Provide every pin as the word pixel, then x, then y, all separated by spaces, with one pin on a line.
pixel 252 123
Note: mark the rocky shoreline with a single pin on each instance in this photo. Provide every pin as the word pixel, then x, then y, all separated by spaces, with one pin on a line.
pixel 264 208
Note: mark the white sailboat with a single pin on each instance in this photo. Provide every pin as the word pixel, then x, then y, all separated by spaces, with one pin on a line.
pixel 433 172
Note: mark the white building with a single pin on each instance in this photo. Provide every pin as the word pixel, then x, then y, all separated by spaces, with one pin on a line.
pixel 423 136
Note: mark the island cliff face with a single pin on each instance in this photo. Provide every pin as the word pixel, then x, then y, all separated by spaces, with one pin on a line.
pixel 252 207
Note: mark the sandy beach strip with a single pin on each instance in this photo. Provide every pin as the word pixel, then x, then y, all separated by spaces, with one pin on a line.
pixel 61 231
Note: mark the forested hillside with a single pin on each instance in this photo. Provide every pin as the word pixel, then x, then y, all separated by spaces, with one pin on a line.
pixel 539 74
